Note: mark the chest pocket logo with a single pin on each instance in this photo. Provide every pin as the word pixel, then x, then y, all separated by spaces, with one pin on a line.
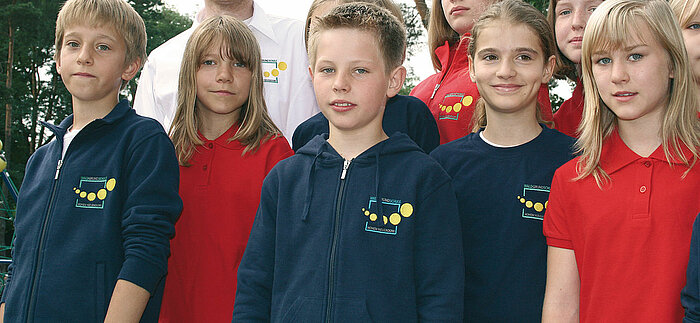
pixel 272 69
pixel 452 104
pixel 92 191
pixel 381 223
pixel 534 201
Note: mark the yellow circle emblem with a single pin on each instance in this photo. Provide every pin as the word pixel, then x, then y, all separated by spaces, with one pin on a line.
pixel 406 210
pixel 110 184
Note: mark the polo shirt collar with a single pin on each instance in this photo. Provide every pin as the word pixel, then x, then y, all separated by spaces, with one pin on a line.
pixel 222 140
pixel 262 23
pixel 616 155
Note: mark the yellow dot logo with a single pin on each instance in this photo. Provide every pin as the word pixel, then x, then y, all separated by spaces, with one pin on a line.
pixel 522 200
pixel 267 74
pixel 528 204
pixel 395 219
pixel 110 184
pixel 282 66
pixel 538 207
pixel 442 107
pixel 275 73
pixel 385 219
pixel 91 197
pixel 449 109
pixel 83 194
pixel 457 107
pixel 467 100
pixel 373 217
pixel 101 194
pixel 406 210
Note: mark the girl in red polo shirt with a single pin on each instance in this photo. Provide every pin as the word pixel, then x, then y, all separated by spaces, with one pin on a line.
pixel 450 94
pixel 568 19
pixel 619 217
pixel 226 143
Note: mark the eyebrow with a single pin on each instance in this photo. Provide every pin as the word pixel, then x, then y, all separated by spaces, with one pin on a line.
pixel 99 36
pixel 626 49
pixel 517 49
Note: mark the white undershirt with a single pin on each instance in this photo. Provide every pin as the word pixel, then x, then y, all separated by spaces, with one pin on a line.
pixel 481 134
pixel 67 138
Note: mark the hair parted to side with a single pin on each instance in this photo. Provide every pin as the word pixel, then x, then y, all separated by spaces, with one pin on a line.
pixel 684 10
pixel 609 28
pixel 235 41
pixel 517 13
pixel 564 67
pixel 116 14
pixel 389 32
pixel 386 4
pixel 439 32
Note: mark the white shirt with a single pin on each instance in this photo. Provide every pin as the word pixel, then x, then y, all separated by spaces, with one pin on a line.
pixel 287 87
pixel 67 139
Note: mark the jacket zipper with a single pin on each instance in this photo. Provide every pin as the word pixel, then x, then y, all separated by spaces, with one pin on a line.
pixel 346 165
pixel 32 299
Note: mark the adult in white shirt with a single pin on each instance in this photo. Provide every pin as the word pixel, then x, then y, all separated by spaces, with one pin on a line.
pixel 287 86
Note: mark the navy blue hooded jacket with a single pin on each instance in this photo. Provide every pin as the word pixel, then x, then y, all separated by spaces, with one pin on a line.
pixel 323 249
pixel 690 295
pixel 106 211
pixel 405 114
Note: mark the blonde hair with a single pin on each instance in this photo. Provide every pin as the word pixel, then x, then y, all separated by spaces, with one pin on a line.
pixel 684 10
pixel 517 12
pixel 386 4
pixel 117 14
pixel 236 41
pixel 608 28
pixel 564 67
pixel 439 31
pixel 389 32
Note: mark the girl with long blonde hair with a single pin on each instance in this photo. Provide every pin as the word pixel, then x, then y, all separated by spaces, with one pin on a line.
pixel 620 216
pixel 225 143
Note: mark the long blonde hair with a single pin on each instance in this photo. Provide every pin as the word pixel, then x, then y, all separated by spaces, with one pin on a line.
pixel 608 28
pixel 235 41
pixel 517 12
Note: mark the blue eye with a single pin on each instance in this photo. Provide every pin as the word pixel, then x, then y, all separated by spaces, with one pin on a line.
pixel 102 47
pixel 361 71
pixel 565 12
pixel 694 26
pixel 208 62
pixel 635 57
pixel 72 44
pixel 604 61
pixel 239 64
pixel 327 70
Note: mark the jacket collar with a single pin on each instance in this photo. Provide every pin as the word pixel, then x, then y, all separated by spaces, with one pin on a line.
pixel 615 154
pixel 118 112
pixel 455 55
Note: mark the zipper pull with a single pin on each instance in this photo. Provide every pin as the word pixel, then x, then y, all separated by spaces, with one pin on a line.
pixel 58 168
pixel 346 164
pixel 437 86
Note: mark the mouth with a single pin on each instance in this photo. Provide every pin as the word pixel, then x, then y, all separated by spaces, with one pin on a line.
pixel 83 74
pixel 624 95
pixel 576 40
pixel 223 92
pixel 507 88
pixel 342 105
pixel 458 10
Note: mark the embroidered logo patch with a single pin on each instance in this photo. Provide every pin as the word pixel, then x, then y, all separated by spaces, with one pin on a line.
pixel 452 104
pixel 92 191
pixel 272 69
pixel 534 201
pixel 381 223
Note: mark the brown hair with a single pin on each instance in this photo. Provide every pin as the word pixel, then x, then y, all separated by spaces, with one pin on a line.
pixel 390 33
pixel 564 68
pixel 117 14
pixel 516 12
pixel 439 31
pixel 236 41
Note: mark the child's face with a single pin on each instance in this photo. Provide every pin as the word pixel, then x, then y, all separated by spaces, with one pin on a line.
pixel 571 18
pixel 91 63
pixel 223 84
pixel 508 67
pixel 633 81
pixel 691 35
pixel 461 14
pixel 350 79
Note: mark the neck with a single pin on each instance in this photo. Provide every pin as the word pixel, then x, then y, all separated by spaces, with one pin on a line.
pixel 242 9
pixel 642 135
pixel 511 129
pixel 351 144
pixel 212 125
pixel 85 112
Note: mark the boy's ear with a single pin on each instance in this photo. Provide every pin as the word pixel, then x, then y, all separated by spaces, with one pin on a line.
pixel 471 68
pixel 548 69
pixel 131 69
pixel 396 79
pixel 311 73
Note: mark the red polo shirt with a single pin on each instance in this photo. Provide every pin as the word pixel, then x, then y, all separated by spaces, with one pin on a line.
pixel 220 193
pixel 631 238
pixel 568 117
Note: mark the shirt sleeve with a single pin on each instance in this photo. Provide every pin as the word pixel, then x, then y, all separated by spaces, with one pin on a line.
pixel 556 226
pixel 144 100
pixel 690 295
pixel 151 207
pixel 439 260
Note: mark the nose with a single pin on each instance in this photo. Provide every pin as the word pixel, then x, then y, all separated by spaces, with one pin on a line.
pixel 341 83
pixel 579 19
pixel 505 69
pixel 85 56
pixel 619 73
pixel 224 73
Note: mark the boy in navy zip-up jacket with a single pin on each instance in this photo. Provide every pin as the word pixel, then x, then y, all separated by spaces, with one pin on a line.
pixel 357 226
pixel 98 204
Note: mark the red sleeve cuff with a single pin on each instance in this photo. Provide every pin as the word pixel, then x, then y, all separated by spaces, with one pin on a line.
pixel 559 243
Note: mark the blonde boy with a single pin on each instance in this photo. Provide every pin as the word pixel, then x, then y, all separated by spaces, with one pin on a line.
pixel 358 226
pixel 98 204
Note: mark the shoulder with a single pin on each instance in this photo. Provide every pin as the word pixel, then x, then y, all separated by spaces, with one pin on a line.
pixel 308 129
pixel 465 146
pixel 555 141
pixel 567 172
